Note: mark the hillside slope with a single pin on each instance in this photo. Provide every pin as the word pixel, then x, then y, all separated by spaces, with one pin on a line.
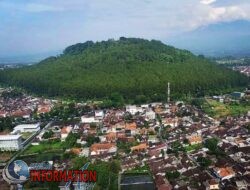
pixel 129 66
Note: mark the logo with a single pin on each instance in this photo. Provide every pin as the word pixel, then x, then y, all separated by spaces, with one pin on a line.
pixel 18 170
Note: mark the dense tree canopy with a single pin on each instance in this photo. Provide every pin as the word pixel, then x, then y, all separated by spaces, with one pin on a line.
pixel 130 67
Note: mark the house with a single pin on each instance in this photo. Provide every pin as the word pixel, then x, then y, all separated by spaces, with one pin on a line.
pixel 241 184
pixel 111 137
pixel 22 113
pixel 153 139
pixel 139 148
pixel 237 95
pixel 150 114
pixel 65 132
pixel 86 119
pixel 195 139
pixel 212 184
pixel 131 128
pixel 80 151
pixel 133 109
pixel 99 114
pixel 99 148
pixel 42 109
pixel 224 172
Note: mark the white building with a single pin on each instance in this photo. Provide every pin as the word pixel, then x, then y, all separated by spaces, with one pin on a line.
pixel 10 142
pixel 99 114
pixel 85 119
pixel 150 114
pixel 133 109
pixel 26 128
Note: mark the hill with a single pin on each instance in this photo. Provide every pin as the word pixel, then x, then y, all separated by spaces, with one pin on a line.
pixel 135 68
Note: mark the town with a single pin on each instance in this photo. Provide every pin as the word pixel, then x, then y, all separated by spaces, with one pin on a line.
pixel 199 144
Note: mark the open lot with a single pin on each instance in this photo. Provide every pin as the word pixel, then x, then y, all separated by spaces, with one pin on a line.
pixel 218 110
pixel 43 147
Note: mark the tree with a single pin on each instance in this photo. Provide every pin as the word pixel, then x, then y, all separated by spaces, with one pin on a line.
pixel 172 175
pixel 48 134
pixel 204 162
pixel 115 166
pixel 71 139
pixel 91 140
pixel 212 144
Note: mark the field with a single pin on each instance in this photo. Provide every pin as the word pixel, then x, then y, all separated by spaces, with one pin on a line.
pixel 44 147
pixel 219 110
pixel 26 135
pixel 45 151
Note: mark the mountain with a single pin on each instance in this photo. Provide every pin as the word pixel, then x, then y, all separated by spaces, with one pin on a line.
pixel 131 67
pixel 221 39
pixel 26 59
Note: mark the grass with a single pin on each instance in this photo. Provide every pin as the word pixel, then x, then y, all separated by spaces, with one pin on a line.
pixel 191 148
pixel 26 135
pixel 48 146
pixel 138 170
pixel 219 110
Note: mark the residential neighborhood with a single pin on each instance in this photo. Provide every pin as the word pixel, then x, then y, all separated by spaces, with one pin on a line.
pixel 163 146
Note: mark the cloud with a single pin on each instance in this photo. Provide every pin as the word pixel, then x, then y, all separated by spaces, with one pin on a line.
pixel 80 20
pixel 208 2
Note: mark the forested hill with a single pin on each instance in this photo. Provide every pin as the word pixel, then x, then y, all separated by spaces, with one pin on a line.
pixel 134 68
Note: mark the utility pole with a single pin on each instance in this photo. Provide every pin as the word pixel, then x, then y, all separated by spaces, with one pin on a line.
pixel 168 92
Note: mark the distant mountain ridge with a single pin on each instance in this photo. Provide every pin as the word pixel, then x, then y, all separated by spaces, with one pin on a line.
pixel 130 67
pixel 217 40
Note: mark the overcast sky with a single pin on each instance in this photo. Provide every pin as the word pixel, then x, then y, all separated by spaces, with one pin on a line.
pixel 35 26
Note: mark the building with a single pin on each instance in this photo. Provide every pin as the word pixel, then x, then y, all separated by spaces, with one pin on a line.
pixel 42 109
pixel 65 132
pixel 212 184
pixel 10 142
pixel 150 114
pixel 132 109
pixel 99 148
pixel 139 148
pixel 85 119
pixel 195 139
pixel 26 128
pixel 224 173
pixel 99 114
pixel 131 128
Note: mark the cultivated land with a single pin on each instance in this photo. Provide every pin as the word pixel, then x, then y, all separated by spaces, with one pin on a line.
pixel 219 110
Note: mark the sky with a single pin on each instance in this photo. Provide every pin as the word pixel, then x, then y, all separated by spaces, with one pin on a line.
pixel 41 26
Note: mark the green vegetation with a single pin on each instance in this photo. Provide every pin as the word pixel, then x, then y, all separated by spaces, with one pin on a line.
pixel 204 162
pixel 212 145
pixel 70 141
pixel 6 124
pixel 139 170
pixel 46 146
pixel 107 174
pixel 48 134
pixel 26 135
pixel 125 146
pixel 172 175
pixel 91 140
pixel 218 110
pixel 194 147
pixel 121 70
